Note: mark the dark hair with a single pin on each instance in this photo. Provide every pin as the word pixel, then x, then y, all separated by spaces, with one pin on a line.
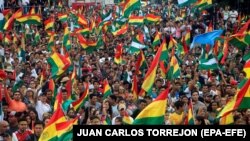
pixel 94 117
pixel 209 108
pixel 201 119
pixel 119 119
pixel 92 95
pixel 244 73
pixel 38 122
pixel 142 101
pixel 178 104
pixel 236 117
pixel 194 92
pixel 22 119
pixel 177 83
pixel 95 81
pixel 120 99
pixel 64 90
pixel 33 110
pixel 109 110
pixel 148 97
pixel 113 97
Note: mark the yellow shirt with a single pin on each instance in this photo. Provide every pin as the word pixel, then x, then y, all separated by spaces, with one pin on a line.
pixel 176 119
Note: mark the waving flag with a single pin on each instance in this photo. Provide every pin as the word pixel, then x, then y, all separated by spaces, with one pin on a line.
pixel 154 113
pixel 206 38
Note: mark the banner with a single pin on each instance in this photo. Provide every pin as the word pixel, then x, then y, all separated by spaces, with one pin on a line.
pixel 197 132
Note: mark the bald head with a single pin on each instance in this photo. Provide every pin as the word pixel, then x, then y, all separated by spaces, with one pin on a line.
pixel 3 126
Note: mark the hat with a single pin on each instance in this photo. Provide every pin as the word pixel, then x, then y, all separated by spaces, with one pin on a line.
pixel 210 95
pixel 233 82
pixel 9 69
pixel 121 107
pixel 12 113
pixel 65 79
pixel 188 76
pixel 43 94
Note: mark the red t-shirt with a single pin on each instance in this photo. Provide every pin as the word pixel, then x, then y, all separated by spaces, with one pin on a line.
pixel 22 136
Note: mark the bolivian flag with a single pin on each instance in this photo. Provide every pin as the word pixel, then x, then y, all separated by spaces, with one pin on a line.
pixel 58 64
pixel 50 132
pixel 164 53
pixel 9 23
pixel 136 20
pixel 82 20
pixel 121 31
pixel 190 117
pixel 49 23
pixel 151 74
pixel 240 101
pixel 130 6
pixel 127 120
pixel 30 19
pixel 118 54
pixel 141 63
pixel 247 68
pixel 84 31
pixel 66 39
pixel 157 39
pixel 154 113
pixel 7 39
pixel 81 101
pixel 62 17
pixel 83 42
pixel 65 129
pixel 106 89
pixel 51 44
pixel 174 70
pixel 32 10
pixel 151 18
pixel 134 88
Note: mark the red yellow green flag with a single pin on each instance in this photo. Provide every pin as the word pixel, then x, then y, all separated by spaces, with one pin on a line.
pixel 151 74
pixel 118 54
pixel 154 113
pixel 247 68
pixel 106 89
pixel 50 132
pixel 81 101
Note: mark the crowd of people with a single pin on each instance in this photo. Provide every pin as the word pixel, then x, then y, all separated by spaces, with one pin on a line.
pixel 28 102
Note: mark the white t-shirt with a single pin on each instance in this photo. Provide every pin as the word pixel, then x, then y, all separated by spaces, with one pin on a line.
pixel 25 2
pixel 9 61
pixel 1 51
pixel 233 16
pixel 42 108
pixel 225 15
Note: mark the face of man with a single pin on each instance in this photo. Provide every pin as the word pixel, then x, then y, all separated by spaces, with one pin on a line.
pixel 94 99
pixel 64 95
pixel 38 129
pixel 95 121
pixel 22 126
pixel 142 105
pixel 49 95
pixel 205 89
pixel 17 96
pixel 4 126
pixel 195 96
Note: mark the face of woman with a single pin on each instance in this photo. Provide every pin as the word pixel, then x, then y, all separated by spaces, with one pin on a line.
pixel 201 112
pixel 29 94
pixel 32 115
pixel 46 121
pixel 214 106
pixel 28 119
pixel 106 105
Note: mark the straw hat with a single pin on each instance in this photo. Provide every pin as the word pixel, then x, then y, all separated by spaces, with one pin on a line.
pixel 65 79
pixel 9 69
